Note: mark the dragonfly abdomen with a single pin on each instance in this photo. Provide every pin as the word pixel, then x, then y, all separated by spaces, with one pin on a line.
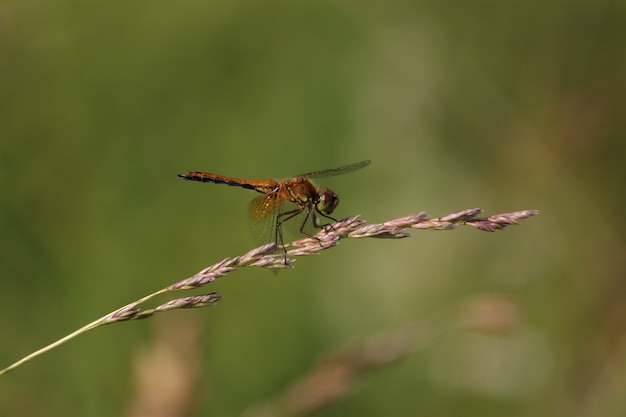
pixel 261 186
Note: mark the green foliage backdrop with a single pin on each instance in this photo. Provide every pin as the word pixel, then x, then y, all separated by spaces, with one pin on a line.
pixel 499 105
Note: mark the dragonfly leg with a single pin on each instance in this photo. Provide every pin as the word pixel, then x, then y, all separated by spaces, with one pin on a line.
pixel 316 220
pixel 282 218
pixel 316 223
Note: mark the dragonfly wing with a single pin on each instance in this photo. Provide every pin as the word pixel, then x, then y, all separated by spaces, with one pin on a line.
pixel 262 214
pixel 337 171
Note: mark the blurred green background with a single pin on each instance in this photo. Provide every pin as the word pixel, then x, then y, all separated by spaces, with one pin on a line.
pixel 500 105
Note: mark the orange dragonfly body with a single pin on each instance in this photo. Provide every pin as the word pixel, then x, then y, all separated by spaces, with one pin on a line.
pixel 282 201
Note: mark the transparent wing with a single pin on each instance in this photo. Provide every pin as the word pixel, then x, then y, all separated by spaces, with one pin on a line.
pixel 262 214
pixel 337 171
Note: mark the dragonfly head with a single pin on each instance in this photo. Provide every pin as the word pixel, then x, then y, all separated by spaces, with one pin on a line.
pixel 327 202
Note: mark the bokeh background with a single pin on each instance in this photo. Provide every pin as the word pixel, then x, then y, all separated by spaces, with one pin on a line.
pixel 501 105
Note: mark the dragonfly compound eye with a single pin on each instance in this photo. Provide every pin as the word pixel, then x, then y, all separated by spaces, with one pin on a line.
pixel 327 202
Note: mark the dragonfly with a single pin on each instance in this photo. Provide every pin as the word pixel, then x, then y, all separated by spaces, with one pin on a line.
pixel 281 201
